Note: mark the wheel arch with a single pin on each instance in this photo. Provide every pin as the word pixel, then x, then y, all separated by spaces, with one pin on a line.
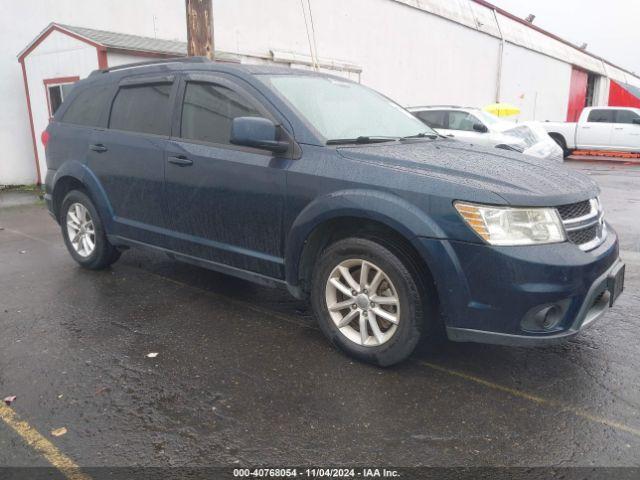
pixel 75 175
pixel 353 213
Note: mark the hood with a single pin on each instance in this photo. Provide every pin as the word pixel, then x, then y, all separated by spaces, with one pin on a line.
pixel 518 179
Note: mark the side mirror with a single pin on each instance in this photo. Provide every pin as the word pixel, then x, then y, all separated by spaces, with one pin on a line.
pixel 257 132
pixel 636 121
pixel 480 127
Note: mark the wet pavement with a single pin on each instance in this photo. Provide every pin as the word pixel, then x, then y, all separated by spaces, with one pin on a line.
pixel 243 376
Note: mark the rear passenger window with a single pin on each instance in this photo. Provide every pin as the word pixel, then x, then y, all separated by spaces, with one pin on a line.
pixel 601 116
pixel 209 110
pixel 87 107
pixel 142 108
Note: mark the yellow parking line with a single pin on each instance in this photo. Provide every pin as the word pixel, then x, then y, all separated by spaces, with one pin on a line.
pixel 534 398
pixel 34 439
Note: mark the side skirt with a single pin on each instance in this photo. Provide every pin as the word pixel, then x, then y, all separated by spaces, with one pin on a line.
pixel 208 264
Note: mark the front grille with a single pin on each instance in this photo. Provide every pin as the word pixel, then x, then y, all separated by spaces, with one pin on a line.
pixel 583 235
pixel 583 223
pixel 574 210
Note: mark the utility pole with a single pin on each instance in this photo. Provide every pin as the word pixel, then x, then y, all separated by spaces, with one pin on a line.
pixel 199 28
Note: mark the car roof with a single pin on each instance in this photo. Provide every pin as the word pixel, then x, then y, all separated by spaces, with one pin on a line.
pixel 193 64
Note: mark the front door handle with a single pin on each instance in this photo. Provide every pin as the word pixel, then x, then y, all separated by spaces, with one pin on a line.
pixel 180 160
pixel 98 147
pixel 451 135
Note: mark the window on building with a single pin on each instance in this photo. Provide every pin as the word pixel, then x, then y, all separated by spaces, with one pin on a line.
pixel 142 108
pixel 626 116
pixel 601 116
pixel 56 93
pixel 208 112
pixel 434 118
pixel 87 106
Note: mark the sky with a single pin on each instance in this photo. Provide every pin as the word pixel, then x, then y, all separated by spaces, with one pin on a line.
pixel 610 28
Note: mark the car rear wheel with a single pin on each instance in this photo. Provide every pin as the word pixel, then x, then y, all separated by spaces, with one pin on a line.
pixel 84 234
pixel 368 301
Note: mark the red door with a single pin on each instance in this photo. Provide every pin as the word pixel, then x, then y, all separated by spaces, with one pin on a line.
pixel 577 94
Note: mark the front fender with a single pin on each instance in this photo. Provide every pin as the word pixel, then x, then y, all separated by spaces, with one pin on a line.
pixel 386 208
pixel 80 172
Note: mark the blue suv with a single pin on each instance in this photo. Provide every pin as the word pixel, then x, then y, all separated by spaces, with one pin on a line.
pixel 296 178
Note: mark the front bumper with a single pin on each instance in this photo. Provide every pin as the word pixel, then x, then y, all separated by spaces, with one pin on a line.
pixel 488 294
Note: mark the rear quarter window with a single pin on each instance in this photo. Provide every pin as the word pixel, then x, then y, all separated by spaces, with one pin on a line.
pixel 87 106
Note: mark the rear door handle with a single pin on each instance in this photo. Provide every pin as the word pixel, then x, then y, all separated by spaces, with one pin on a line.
pixel 98 147
pixel 180 160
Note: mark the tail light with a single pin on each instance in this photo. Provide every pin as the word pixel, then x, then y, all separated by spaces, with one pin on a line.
pixel 45 138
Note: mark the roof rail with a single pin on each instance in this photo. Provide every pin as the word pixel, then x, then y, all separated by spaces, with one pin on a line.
pixel 152 62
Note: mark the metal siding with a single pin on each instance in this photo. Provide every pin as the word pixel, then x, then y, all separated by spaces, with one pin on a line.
pixel 538 84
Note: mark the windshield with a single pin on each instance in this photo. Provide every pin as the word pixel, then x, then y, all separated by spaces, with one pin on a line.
pixel 345 110
pixel 487 118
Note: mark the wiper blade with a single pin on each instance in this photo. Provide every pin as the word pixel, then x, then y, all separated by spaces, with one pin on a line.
pixel 422 135
pixel 361 139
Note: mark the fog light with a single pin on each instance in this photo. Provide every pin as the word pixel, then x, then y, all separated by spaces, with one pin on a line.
pixel 545 318
pixel 552 317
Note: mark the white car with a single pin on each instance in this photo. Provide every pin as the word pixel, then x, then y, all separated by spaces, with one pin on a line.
pixel 599 128
pixel 482 128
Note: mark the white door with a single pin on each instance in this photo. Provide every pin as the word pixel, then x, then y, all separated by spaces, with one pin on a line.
pixel 626 133
pixel 596 131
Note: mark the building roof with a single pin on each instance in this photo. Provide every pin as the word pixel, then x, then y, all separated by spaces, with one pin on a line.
pixel 113 41
pixel 124 41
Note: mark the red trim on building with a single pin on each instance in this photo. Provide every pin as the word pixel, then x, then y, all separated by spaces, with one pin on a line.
pixel 577 94
pixel 142 53
pixel 61 80
pixel 48 32
pixel 102 58
pixel 621 97
pixel 33 130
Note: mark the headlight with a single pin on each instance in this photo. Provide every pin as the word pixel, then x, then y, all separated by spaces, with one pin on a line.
pixel 513 226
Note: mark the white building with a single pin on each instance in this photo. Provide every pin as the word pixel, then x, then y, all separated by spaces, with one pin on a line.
pixel 418 52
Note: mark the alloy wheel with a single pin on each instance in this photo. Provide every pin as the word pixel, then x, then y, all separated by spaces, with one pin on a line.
pixel 363 302
pixel 81 230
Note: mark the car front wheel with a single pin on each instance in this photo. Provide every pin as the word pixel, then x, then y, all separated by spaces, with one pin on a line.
pixel 368 300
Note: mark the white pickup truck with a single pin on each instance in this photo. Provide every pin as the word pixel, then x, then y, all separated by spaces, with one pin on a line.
pixel 599 128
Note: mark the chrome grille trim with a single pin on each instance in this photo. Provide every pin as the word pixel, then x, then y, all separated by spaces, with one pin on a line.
pixel 590 228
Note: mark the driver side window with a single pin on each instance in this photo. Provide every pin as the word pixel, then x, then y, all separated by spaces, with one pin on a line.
pixel 208 111
pixel 462 121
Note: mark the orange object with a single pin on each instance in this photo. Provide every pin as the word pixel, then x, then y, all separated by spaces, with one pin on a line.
pixel 602 153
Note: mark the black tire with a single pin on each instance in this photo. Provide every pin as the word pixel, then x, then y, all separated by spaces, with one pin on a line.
pixel 415 311
pixel 104 254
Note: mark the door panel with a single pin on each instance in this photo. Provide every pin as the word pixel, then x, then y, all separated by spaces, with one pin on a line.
pixel 596 131
pixel 224 203
pixel 577 94
pixel 626 134
pixel 128 159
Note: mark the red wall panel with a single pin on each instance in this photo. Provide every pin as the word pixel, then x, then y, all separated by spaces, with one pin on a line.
pixel 621 97
pixel 577 94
